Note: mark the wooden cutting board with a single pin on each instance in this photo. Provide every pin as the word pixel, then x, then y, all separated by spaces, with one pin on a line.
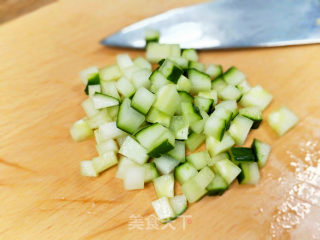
pixel 43 196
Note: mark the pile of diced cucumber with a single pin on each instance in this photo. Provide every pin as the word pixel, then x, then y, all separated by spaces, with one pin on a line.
pixel 146 121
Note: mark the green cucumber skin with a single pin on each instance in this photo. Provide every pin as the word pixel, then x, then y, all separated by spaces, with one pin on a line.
pixel 242 154
pixel 95 79
pixel 175 74
pixel 153 40
pixel 256 124
pixel 164 147
pixel 216 192
pixel 241 177
pixel 217 186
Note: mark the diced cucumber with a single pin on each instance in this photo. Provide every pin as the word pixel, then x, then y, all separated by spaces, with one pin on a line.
pixel 203 103
pixel 91 77
pixel 179 127
pixel 223 113
pixel 86 74
pixel 261 151
pixel 217 186
pixel 101 100
pixel 253 113
pixel 142 63
pixel 217 158
pixel 197 65
pixel 156 116
pixel 180 62
pixel 164 186
pixel 156 51
pixel 184 84
pixel 100 118
pixel 89 108
pixel 227 170
pixel 121 139
pixel 96 133
pixel 212 94
pixel 189 112
pixel 233 76
pixel 166 164
pixel 157 81
pixel 133 150
pixel 113 112
pixel 150 172
pixel 184 172
pixel 163 208
pixel 107 146
pixel 199 159
pixel 179 151
pixel 192 190
pixel 243 86
pixel 219 84
pixel 110 88
pixel 167 99
pixel 110 131
pixel 151 36
pixel 184 97
pixel 124 61
pixel 134 178
pixel 124 164
pixel 249 173
pixel 110 73
pixel 215 146
pixel 230 93
pixel 215 127
pixel 242 154
pixel 220 156
pixel 194 141
pixel 170 70
pixel 92 89
pixel 129 120
pixel 190 54
pixel 214 70
pixel 204 177
pixel 125 87
pixel 80 131
pixel 204 115
pixel 129 71
pixel 256 97
pixel 87 169
pixel 200 81
pixel 157 139
pixel 140 78
pixel 198 126
pixel 282 120
pixel 142 100
pixel 104 161
pixel 239 129
pixel 230 105
pixel 178 204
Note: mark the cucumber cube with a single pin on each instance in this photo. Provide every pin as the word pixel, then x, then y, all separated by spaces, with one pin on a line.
pixel 164 186
pixel 282 120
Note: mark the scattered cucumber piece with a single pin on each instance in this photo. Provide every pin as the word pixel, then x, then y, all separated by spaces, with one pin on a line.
pixel 261 151
pixel 282 120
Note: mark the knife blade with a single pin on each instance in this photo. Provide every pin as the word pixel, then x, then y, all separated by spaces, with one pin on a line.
pixel 225 24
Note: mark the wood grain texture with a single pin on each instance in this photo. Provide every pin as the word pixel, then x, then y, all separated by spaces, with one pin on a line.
pixel 10 9
pixel 43 195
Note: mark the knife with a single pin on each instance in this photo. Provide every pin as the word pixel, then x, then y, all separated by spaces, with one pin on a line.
pixel 225 24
